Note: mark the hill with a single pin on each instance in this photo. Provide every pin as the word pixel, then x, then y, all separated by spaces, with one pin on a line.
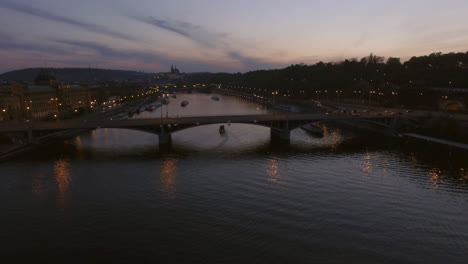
pixel 77 75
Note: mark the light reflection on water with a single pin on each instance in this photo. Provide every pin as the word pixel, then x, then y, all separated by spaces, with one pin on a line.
pixel 63 180
pixel 273 170
pixel 235 197
pixel 464 175
pixel 168 177
pixel 366 165
pixel 434 174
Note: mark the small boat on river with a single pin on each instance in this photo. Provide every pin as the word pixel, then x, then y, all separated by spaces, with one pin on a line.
pixel 313 129
pixel 215 98
pixel 149 109
pixel 184 103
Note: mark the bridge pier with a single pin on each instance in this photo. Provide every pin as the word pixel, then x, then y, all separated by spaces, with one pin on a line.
pixel 165 137
pixel 281 132
pixel 280 135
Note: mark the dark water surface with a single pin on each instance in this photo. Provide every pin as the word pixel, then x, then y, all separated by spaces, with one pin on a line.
pixel 111 196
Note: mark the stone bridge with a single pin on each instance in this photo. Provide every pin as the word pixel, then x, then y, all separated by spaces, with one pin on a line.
pixel 279 124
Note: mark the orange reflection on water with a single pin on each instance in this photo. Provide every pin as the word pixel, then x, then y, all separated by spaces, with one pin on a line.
pixel 366 165
pixel 336 139
pixel 168 178
pixel 272 169
pixel 464 175
pixel 434 176
pixel 63 181
pixel 324 128
pixel 413 159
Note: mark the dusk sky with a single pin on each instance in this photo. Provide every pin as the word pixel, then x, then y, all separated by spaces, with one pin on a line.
pixel 223 36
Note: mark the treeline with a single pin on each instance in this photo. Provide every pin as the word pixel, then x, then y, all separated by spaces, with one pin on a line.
pixel 354 76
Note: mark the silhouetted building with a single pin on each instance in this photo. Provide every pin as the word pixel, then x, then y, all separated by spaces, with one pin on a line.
pixel 174 70
pixel 46 98
pixel 73 97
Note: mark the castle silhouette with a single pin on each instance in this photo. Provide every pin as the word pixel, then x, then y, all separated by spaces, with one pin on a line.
pixel 174 70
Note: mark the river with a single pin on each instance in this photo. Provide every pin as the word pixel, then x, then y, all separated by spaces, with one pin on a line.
pixel 110 195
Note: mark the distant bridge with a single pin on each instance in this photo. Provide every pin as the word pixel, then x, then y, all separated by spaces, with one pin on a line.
pixel 280 124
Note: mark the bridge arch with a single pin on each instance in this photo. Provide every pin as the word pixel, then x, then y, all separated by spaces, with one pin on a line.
pixel 149 130
pixel 177 128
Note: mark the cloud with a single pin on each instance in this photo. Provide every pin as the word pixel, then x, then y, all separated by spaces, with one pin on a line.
pixel 109 52
pixel 185 29
pixel 206 38
pixel 61 19
pixel 248 62
pixel 149 57
pixel 9 42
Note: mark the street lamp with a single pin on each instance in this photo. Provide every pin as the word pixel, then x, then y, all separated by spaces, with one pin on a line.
pixel 165 102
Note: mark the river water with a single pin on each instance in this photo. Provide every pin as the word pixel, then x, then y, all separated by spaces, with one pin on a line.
pixel 110 195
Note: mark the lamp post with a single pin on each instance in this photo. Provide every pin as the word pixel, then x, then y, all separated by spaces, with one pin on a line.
pixel 273 95
pixel 162 105
pixel 165 102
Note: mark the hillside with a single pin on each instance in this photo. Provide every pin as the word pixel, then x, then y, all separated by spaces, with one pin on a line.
pixel 76 75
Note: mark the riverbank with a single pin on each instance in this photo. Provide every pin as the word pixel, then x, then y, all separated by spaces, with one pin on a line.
pixel 434 125
pixel 8 151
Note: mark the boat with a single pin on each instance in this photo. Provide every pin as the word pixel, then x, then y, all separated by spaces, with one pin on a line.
pixel 215 98
pixel 149 109
pixel 313 129
pixel 184 103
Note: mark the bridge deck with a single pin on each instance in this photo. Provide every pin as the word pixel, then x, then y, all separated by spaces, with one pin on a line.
pixel 198 120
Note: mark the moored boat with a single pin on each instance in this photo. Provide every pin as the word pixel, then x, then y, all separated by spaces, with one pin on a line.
pixel 149 109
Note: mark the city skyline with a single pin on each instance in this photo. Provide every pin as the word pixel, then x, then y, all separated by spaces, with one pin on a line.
pixel 222 37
